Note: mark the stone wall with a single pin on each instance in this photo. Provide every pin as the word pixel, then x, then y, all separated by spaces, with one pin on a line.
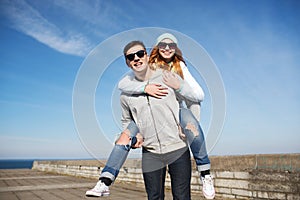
pixel 237 177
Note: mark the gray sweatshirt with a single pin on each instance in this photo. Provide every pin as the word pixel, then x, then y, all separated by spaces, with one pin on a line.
pixel 191 99
pixel 157 119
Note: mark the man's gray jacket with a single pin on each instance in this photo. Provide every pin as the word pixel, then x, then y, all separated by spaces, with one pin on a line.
pixel 157 119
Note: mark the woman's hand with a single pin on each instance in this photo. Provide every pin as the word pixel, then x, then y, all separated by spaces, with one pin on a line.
pixel 156 90
pixel 171 80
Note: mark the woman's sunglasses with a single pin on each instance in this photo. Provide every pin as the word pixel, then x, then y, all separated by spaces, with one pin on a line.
pixel 139 54
pixel 163 45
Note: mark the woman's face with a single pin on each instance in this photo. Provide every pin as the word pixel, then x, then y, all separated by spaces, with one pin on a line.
pixel 166 49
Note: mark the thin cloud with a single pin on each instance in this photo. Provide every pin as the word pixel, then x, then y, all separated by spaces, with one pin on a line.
pixel 102 18
pixel 29 21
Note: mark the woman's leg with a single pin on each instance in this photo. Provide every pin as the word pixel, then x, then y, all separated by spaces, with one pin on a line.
pixel 115 161
pixel 195 138
pixel 119 153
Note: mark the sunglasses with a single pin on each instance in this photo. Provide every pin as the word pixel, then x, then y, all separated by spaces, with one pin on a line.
pixel 139 54
pixel 163 45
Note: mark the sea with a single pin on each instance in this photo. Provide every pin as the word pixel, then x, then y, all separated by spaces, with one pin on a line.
pixel 16 164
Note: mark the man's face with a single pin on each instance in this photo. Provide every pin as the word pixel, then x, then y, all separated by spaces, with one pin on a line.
pixel 136 58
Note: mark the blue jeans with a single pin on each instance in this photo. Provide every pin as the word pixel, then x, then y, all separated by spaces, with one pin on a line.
pixel 194 135
pixel 195 138
pixel 118 156
pixel 179 170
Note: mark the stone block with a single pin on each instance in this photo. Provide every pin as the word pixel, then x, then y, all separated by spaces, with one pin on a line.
pixel 62 166
pixel 195 187
pixel 70 167
pixel 225 174
pixel 223 190
pixel 263 195
pixel 241 175
pixel 195 180
pixel 239 192
pixel 227 196
pixel 231 183
pixel 293 196
pixel 276 195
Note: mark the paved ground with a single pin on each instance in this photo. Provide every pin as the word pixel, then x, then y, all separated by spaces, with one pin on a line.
pixel 25 184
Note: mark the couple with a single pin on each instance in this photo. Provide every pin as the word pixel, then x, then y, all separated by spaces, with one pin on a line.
pixel 154 117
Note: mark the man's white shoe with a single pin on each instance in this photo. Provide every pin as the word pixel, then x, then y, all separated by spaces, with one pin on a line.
pixel 99 190
pixel 208 187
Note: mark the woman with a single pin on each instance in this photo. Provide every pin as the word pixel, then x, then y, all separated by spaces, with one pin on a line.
pixel 167 55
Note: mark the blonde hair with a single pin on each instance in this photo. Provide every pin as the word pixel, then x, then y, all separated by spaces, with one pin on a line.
pixel 157 61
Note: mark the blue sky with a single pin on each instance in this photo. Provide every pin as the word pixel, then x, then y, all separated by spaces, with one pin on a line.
pixel 254 44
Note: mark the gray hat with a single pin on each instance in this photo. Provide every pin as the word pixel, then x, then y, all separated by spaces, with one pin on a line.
pixel 165 36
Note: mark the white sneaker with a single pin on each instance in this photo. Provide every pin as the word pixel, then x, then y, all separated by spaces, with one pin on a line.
pixel 99 190
pixel 208 187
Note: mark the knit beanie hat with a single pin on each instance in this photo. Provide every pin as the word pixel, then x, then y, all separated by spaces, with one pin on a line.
pixel 166 36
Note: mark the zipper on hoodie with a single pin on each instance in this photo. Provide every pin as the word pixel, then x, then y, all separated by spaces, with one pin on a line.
pixel 158 140
pixel 155 128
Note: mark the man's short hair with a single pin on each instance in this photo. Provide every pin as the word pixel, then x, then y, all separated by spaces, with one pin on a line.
pixel 131 44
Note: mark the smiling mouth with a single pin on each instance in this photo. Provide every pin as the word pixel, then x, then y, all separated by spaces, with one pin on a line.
pixel 138 64
pixel 167 53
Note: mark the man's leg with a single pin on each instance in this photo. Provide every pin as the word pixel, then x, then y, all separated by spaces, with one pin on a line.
pixel 180 172
pixel 154 176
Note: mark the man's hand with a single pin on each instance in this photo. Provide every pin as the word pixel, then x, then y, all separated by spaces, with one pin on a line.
pixel 156 90
pixel 171 80
pixel 139 141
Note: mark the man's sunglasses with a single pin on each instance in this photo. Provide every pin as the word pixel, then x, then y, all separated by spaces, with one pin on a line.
pixel 139 54
pixel 163 45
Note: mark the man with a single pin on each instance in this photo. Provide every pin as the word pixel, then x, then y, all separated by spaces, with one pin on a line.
pixel 157 121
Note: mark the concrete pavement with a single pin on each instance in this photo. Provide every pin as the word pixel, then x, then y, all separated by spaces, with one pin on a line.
pixel 26 184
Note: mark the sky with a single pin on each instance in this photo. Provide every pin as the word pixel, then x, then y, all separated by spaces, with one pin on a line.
pixel 45 45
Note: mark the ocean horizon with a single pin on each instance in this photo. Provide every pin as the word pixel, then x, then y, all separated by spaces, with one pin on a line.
pixel 27 163
pixel 16 163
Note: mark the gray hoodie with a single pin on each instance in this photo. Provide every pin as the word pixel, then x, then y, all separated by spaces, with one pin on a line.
pixel 157 119
pixel 191 99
